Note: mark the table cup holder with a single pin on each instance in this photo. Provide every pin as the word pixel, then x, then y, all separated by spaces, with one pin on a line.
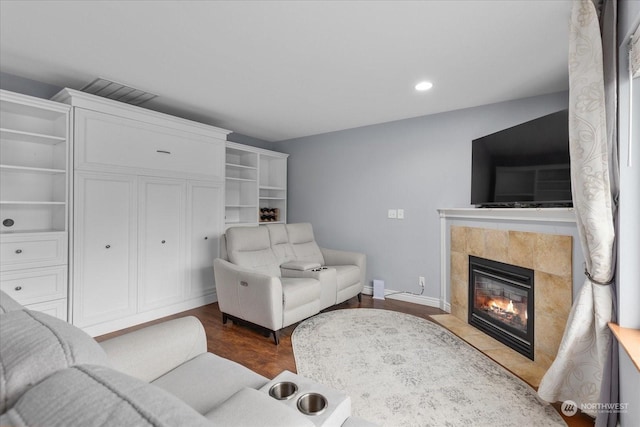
pixel 312 404
pixel 284 390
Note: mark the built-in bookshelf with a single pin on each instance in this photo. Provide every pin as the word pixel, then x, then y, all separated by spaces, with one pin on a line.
pixel 255 185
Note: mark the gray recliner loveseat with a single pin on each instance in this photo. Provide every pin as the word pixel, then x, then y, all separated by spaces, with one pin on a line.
pixel 275 275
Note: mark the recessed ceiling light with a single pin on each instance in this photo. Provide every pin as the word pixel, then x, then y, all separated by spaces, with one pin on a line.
pixel 422 86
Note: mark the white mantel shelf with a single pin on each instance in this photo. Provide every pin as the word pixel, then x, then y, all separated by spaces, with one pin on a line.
pixel 511 214
pixel 548 216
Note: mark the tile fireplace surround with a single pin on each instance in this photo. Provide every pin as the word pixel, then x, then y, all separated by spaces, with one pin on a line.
pixel 548 252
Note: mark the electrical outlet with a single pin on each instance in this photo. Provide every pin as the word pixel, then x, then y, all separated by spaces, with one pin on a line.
pixel 421 281
pixel 400 213
pixel 392 213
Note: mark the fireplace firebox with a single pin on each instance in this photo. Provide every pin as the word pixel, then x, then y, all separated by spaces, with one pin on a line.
pixel 501 302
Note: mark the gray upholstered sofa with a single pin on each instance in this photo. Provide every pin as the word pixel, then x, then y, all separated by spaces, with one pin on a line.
pixel 53 374
pixel 275 275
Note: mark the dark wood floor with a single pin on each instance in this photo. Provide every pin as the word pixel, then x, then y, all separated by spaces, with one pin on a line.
pixel 251 348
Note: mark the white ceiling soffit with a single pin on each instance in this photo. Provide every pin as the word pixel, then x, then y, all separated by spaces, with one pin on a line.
pixel 284 69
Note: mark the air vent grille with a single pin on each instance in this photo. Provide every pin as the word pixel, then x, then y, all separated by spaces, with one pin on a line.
pixel 117 91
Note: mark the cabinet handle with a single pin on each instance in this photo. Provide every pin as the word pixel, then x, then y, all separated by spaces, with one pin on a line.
pixel 18 288
pixel 18 251
pixel 164 241
pixel 163 151
pixel 108 246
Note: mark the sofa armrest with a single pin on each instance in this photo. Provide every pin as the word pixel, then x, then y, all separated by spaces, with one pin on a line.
pixel 337 257
pixel 151 352
pixel 250 407
pixel 251 296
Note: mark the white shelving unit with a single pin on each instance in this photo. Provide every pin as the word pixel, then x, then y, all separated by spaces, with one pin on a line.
pixel 241 186
pixel 273 187
pixel 34 199
pixel 255 180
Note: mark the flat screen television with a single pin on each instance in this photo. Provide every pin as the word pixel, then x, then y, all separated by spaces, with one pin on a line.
pixel 523 166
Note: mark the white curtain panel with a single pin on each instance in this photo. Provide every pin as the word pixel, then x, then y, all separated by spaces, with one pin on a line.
pixel 576 374
pixel 634 55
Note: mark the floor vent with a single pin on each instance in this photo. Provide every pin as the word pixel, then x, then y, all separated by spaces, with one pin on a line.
pixel 117 91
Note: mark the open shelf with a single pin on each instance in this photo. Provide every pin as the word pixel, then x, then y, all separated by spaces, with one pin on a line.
pixel 34 181
pixel 255 179
pixel 33 137
pixel 46 171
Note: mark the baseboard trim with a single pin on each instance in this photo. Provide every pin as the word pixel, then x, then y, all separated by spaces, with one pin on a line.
pixel 416 299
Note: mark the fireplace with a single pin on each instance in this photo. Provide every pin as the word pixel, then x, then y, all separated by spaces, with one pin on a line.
pixel 501 302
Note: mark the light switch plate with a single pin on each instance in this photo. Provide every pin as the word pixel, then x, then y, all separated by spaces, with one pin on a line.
pixel 393 214
pixel 400 213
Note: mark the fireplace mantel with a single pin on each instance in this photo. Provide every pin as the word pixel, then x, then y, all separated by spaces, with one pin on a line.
pixel 563 215
pixel 543 220
pixel 537 238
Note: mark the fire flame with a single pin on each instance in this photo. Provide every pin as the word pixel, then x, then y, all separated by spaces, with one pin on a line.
pixel 502 306
pixel 505 310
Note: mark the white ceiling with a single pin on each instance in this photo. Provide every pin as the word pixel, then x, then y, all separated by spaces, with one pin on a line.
pixel 283 69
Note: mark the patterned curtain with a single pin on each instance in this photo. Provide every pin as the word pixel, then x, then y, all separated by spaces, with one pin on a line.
pixel 580 368
pixel 634 55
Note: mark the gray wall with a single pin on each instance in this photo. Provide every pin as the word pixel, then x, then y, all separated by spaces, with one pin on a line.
pixel 344 183
pixel 248 140
pixel 27 86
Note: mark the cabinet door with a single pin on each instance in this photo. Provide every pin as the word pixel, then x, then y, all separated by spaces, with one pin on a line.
pixel 161 262
pixel 104 248
pixel 205 212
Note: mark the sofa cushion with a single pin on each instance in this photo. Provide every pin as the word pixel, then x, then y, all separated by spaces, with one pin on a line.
pixel 347 275
pixel 34 345
pixel 250 247
pixel 303 243
pixel 280 242
pixel 250 407
pixel 301 299
pixel 88 395
pixel 208 380
pixel 8 304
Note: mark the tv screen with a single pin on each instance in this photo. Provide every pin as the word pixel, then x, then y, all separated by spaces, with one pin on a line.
pixel 523 166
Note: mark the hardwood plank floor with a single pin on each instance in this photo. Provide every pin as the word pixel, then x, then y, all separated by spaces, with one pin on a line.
pixel 251 348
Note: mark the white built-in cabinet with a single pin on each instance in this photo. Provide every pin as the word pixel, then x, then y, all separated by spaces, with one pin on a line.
pixel 34 195
pixel 255 186
pixel 105 247
pixel 148 213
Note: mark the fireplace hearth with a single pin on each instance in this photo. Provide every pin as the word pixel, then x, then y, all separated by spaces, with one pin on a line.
pixel 501 303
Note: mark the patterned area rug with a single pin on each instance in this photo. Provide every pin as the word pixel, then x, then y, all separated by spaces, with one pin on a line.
pixel 401 370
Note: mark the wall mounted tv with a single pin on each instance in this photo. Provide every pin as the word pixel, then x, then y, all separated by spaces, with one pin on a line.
pixel 523 166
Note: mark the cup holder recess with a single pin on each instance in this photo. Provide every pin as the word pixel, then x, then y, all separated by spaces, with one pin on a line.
pixel 283 391
pixel 312 403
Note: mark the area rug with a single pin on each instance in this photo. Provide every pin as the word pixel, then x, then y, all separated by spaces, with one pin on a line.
pixel 401 370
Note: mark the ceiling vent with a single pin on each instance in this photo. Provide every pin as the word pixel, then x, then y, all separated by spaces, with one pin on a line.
pixel 117 91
